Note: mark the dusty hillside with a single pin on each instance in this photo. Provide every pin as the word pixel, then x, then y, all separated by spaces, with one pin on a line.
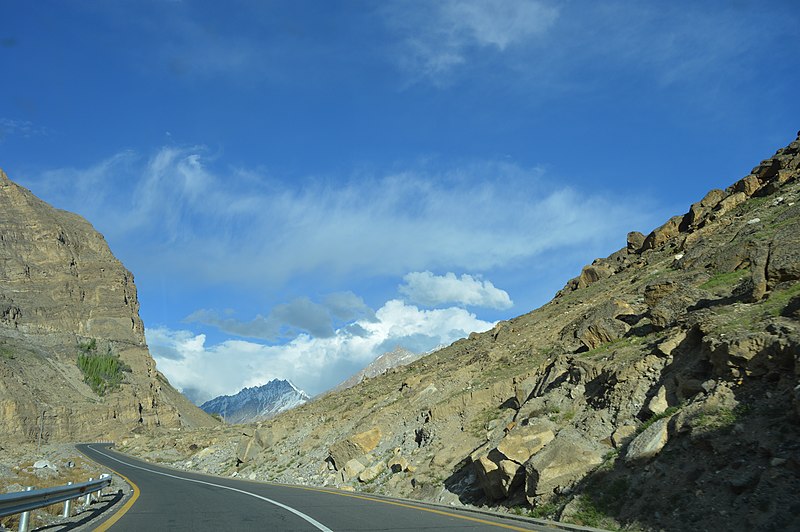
pixel 63 295
pixel 657 390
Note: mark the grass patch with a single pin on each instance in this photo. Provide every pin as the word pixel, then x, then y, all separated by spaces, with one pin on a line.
pixel 666 413
pixel 102 372
pixel 725 279
pixel 7 353
pixel 779 299
pixel 544 511
pixel 722 418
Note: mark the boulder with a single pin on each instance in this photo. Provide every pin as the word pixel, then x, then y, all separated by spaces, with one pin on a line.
pixel 658 402
pixel 498 479
pixel 43 464
pixel 603 326
pixel 562 463
pixel 699 211
pixel 371 473
pixel 658 237
pixel 747 185
pixel 635 241
pixel 398 464
pixel 353 468
pixel 730 203
pixel 525 441
pixel 359 444
pixel 669 345
pixel 248 448
pixel 649 443
pixel 622 435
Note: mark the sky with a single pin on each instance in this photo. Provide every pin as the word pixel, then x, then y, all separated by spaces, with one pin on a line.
pixel 299 186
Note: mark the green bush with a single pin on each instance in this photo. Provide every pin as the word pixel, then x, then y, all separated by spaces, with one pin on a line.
pixel 102 372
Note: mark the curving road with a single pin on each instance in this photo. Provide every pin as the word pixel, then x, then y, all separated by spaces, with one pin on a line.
pixel 178 500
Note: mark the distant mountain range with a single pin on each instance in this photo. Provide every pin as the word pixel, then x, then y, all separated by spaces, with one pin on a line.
pixel 257 403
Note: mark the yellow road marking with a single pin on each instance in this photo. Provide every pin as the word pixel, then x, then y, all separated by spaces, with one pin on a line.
pixel 413 507
pixel 127 506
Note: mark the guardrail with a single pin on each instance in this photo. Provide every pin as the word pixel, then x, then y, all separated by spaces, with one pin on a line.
pixel 22 502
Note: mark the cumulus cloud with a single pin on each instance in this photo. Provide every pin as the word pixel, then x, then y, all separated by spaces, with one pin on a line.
pixel 315 364
pixel 176 213
pixel 432 290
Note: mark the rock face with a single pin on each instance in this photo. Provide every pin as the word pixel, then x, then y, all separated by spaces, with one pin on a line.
pixel 257 403
pixel 664 376
pixel 60 289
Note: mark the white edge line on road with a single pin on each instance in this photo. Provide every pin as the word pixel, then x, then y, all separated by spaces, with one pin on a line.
pixel 298 513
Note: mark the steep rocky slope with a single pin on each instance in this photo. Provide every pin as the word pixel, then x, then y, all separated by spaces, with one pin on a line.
pixel 63 295
pixel 257 403
pixel 658 390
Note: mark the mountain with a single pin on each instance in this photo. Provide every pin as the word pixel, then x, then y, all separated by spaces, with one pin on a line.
pixel 257 403
pixel 395 358
pixel 658 390
pixel 73 359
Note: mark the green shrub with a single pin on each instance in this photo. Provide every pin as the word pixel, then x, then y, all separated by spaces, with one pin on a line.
pixel 103 373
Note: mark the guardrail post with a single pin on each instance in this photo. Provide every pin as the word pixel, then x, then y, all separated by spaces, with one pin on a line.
pixel 89 495
pixel 25 518
pixel 100 491
pixel 67 505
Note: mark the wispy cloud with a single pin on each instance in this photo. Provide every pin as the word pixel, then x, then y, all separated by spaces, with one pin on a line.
pixel 315 364
pixel 20 128
pixel 584 46
pixel 437 37
pixel 290 319
pixel 428 289
pixel 185 216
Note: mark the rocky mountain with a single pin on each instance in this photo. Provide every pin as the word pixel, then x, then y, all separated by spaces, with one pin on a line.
pixel 257 403
pixel 659 389
pixel 395 358
pixel 73 358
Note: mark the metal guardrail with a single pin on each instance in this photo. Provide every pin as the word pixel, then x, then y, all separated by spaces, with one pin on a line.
pixel 24 501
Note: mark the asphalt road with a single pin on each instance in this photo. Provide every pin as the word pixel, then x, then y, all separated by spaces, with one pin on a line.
pixel 178 500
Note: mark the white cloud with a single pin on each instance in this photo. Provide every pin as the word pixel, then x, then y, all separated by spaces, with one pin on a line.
pixel 20 128
pixel 289 319
pixel 315 364
pixel 439 36
pixel 431 290
pixel 176 214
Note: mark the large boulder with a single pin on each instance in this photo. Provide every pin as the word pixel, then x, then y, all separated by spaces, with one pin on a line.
pixel 561 464
pixel 357 445
pixel 498 477
pixel 602 325
pixel 248 447
pixel 525 441
pixel 649 443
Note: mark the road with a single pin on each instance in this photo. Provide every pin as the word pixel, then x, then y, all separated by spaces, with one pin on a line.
pixel 179 500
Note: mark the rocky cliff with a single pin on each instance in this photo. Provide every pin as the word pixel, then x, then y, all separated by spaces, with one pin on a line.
pixel 659 390
pixel 62 295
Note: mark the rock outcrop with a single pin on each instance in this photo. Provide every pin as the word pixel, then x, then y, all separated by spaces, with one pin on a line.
pixel 63 293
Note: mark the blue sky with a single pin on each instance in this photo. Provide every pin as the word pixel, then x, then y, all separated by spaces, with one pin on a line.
pixel 299 186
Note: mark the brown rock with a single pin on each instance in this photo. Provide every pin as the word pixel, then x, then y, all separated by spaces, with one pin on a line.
pixel 663 234
pixel 562 463
pixel 522 443
pixel 635 241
